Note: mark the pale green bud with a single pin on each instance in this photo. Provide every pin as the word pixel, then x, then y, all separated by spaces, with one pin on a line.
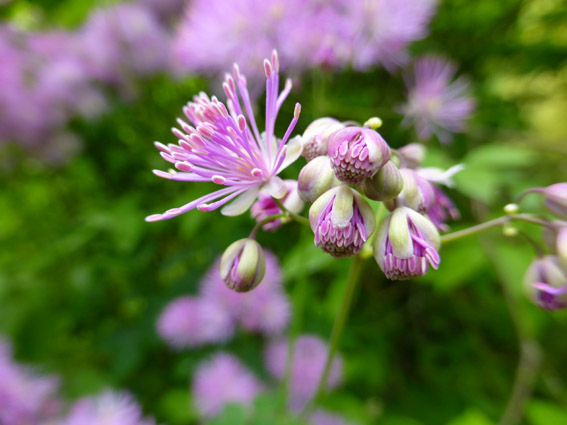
pixel 316 178
pixel 385 185
pixel 243 265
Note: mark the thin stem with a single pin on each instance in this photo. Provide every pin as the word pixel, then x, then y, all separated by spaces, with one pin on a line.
pixel 294 216
pixel 338 327
pixel 264 221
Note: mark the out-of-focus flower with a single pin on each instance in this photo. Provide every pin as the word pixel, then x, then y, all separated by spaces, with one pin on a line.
pixel 242 265
pixel 316 136
pixel 324 417
pixel 555 198
pixel 436 104
pixel 221 380
pixel 195 321
pixel 108 408
pixel 406 243
pixel 413 155
pixel 265 206
pixel 382 29
pixel 316 178
pixel 357 154
pixel 342 220
pixel 25 398
pixel 385 185
pixel 308 362
pixel 266 309
pixel 228 150
pixel 545 283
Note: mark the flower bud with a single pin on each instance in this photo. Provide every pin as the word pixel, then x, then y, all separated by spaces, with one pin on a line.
pixel 555 198
pixel 442 210
pixel 342 221
pixel 242 265
pixel 385 185
pixel 357 154
pixel 316 178
pixel 417 193
pixel 406 243
pixel 545 283
pixel 413 154
pixel 316 135
pixel 556 240
pixel 265 206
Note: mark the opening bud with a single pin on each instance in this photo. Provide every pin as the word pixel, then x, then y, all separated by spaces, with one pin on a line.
pixel 316 178
pixel 357 154
pixel 243 265
pixel 385 185
pixel 406 244
pixel 342 221
pixel 545 283
pixel 413 154
pixel 316 135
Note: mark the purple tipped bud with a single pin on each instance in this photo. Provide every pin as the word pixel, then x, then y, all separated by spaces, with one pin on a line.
pixel 417 193
pixel 266 206
pixel 545 283
pixel 316 178
pixel 242 265
pixel 385 185
pixel 413 154
pixel 555 198
pixel 316 135
pixel 406 244
pixel 342 221
pixel 357 154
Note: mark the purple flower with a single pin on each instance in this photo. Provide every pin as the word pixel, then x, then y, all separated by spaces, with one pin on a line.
pixel 324 417
pixel 555 198
pixel 221 380
pixel 342 220
pixel 545 283
pixel 316 135
pixel 108 408
pixel 308 362
pixel 435 104
pixel 406 243
pixel 193 322
pixel 265 206
pixel 266 309
pixel 228 150
pixel 380 30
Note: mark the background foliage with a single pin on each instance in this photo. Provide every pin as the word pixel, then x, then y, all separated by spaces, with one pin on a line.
pixel 83 278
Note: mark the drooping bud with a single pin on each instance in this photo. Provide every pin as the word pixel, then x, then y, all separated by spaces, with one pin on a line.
pixel 555 198
pixel 385 185
pixel 442 210
pixel 342 221
pixel 545 283
pixel 265 206
pixel 417 193
pixel 242 265
pixel 357 154
pixel 406 244
pixel 316 135
pixel 316 178
pixel 413 154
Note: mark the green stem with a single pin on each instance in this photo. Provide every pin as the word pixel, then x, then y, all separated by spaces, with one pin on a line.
pixel 493 223
pixel 264 221
pixel 338 327
pixel 294 216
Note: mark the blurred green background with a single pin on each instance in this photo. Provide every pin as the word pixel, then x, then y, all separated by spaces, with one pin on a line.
pixel 83 277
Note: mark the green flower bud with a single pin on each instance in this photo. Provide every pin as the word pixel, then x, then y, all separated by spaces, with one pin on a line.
pixel 316 178
pixel 385 185
pixel 242 265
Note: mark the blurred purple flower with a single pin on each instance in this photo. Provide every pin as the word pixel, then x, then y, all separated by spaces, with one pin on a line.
pixel 108 408
pixel 436 104
pixel 221 380
pixel 227 149
pixel 25 398
pixel 324 417
pixel 545 283
pixel 309 355
pixel 193 322
pixel 266 309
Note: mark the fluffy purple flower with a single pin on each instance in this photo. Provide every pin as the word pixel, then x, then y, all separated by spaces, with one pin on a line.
pixel 227 149
pixel 545 283
pixel 342 220
pixel 382 29
pixel 108 408
pixel 266 309
pixel 221 380
pixel 193 322
pixel 406 243
pixel 265 206
pixel 309 356
pixel 436 104
pixel 25 398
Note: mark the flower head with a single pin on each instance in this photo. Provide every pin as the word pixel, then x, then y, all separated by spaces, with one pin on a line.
pixel 316 136
pixel 342 220
pixel 406 244
pixel 225 148
pixel 308 362
pixel 435 103
pixel 545 283
pixel 221 380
